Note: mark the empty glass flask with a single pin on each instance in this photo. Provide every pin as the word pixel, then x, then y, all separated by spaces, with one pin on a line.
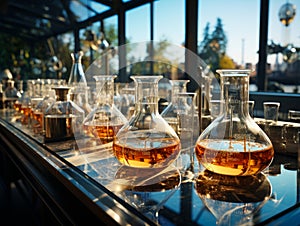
pixel 233 144
pixel 170 113
pixel 147 140
pixel 78 84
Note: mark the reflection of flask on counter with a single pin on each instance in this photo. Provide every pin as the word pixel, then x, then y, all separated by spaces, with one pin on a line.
pixel 233 200
pixel 63 118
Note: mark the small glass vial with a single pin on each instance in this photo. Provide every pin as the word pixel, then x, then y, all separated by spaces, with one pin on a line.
pixel 233 144
pixel 147 140
pixel 63 118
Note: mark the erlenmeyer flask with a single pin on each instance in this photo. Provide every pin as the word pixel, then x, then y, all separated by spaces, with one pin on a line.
pixel 170 113
pixel 77 83
pixel 147 140
pixel 105 120
pixel 77 76
pixel 233 144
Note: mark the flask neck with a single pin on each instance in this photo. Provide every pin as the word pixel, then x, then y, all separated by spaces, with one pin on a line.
pixel 146 95
pixel 61 93
pixel 105 88
pixel 235 91
pixel 178 86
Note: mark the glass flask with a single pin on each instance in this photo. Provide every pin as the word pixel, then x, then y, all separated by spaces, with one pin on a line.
pixel 77 76
pixel 233 144
pixel 25 108
pixel 77 82
pixel 147 140
pixel 11 94
pixel 170 113
pixel 187 131
pixel 63 118
pixel 39 111
pixel 105 120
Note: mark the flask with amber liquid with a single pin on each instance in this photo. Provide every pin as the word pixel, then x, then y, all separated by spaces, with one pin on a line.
pixel 63 118
pixel 105 120
pixel 147 140
pixel 233 144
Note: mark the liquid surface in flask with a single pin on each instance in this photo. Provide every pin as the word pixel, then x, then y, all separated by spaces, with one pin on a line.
pixel 236 157
pixel 145 152
pixel 105 133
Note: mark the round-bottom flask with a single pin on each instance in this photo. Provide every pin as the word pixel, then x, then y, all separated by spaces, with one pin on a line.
pixel 147 140
pixel 233 144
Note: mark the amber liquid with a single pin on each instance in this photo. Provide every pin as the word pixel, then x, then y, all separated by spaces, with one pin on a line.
pixel 58 127
pixel 37 122
pixel 25 111
pixel 106 134
pixel 17 106
pixel 236 158
pixel 133 154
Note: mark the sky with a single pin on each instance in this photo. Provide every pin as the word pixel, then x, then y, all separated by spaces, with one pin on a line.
pixel 240 22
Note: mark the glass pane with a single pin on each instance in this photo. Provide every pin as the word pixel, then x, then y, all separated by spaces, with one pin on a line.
pixel 169 21
pixel 138 24
pixel 240 23
pixel 83 9
pixel 137 33
pixel 284 43
pixel 111 30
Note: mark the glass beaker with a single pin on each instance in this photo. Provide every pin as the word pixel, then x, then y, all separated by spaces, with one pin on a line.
pixel 147 140
pixel 170 113
pixel 233 144
pixel 105 120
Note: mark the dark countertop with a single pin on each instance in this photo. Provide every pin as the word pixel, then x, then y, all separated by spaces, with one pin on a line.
pixel 91 173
